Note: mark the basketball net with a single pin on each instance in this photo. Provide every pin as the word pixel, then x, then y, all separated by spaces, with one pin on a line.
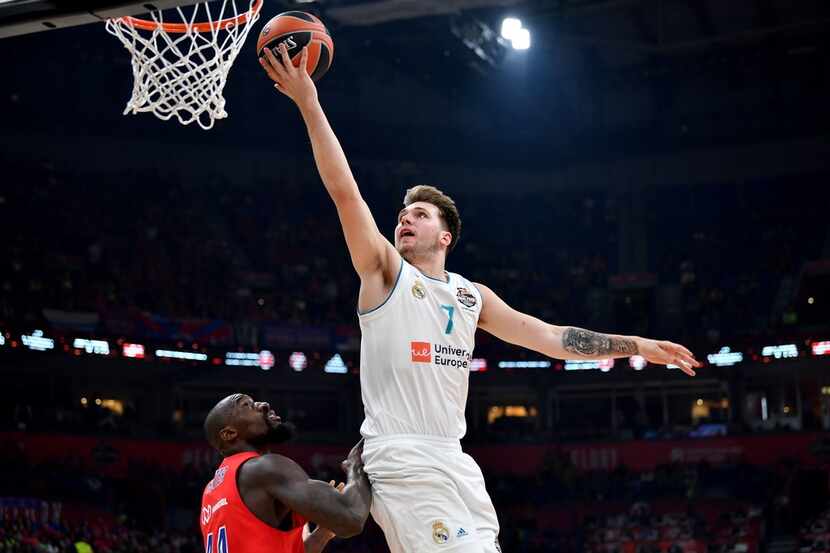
pixel 180 67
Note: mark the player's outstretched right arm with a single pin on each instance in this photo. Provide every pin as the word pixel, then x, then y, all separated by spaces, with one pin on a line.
pixel 371 253
pixel 343 512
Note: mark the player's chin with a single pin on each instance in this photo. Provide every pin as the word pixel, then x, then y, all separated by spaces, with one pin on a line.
pixel 403 249
pixel 282 432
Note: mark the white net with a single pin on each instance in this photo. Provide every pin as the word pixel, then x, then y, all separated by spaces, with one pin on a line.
pixel 180 67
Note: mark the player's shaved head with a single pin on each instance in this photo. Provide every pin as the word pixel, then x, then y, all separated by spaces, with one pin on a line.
pixel 218 418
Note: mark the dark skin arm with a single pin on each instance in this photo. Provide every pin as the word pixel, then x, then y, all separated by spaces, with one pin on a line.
pixel 316 541
pixel 272 485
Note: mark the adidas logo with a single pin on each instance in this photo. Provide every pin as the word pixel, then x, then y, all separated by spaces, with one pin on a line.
pixel 461 533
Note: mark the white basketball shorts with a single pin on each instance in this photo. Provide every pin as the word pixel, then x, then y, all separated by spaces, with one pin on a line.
pixel 429 496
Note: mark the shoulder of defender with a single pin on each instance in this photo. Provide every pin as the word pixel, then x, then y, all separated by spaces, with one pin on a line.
pixel 270 467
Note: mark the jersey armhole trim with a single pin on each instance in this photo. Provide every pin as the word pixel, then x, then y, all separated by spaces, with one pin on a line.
pixel 475 285
pixel 392 291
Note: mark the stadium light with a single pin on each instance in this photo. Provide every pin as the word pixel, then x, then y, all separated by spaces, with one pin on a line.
pixel 784 350
pixel 182 355
pixel 133 351
pixel 36 341
pixel 604 365
pixel 264 359
pixel 97 347
pixel 512 30
pixel 821 348
pixel 335 365
pixel 524 364
pixel 725 357
pixel 509 26
pixel 521 40
pixel 298 361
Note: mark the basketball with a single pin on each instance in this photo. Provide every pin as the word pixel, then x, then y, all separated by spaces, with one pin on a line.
pixel 298 30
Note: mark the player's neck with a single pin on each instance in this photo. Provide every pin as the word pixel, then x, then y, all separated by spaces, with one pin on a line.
pixel 433 267
pixel 242 448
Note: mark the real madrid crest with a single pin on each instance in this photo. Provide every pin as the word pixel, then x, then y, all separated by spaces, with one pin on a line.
pixel 440 533
pixel 418 290
pixel 466 298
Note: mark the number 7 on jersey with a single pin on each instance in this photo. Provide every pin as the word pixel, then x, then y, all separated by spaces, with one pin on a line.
pixel 450 312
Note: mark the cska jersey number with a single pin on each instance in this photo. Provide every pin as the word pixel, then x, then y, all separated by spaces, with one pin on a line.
pixel 221 542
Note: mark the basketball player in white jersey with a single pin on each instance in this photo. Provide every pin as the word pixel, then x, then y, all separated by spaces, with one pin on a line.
pixel 418 323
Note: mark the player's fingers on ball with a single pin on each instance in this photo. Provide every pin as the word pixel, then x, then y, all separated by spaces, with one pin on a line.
pixel 269 56
pixel 277 65
pixel 286 59
pixel 304 59
pixel 273 66
pixel 263 61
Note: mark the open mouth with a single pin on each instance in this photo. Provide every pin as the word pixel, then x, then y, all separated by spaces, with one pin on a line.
pixel 272 417
pixel 407 233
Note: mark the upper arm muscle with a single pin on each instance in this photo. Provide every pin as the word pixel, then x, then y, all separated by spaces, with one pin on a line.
pixel 288 483
pixel 370 251
pixel 514 327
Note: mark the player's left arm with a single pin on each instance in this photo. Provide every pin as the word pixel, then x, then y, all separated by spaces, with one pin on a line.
pixel 314 541
pixel 568 342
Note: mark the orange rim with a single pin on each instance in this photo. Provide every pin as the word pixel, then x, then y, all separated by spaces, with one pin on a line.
pixel 182 28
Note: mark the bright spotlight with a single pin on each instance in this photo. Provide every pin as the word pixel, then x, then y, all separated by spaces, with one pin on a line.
pixel 509 26
pixel 521 39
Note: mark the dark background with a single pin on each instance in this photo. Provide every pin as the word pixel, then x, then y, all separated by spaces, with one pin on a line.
pixel 648 167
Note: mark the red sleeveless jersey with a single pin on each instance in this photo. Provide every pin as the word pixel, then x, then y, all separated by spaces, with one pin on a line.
pixel 228 526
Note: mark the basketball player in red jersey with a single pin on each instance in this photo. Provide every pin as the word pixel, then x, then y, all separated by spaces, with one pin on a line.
pixel 259 502
pixel 418 323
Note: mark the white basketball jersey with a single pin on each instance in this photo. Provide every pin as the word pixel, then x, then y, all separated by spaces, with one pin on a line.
pixel 415 356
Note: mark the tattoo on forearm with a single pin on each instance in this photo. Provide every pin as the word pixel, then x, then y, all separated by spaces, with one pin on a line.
pixel 585 342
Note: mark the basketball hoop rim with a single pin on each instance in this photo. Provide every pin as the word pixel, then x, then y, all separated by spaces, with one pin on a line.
pixel 183 28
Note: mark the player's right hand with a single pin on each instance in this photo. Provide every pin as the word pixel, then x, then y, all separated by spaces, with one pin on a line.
pixel 292 81
pixel 355 459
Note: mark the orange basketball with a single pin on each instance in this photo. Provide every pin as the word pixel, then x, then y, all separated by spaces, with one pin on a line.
pixel 298 30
